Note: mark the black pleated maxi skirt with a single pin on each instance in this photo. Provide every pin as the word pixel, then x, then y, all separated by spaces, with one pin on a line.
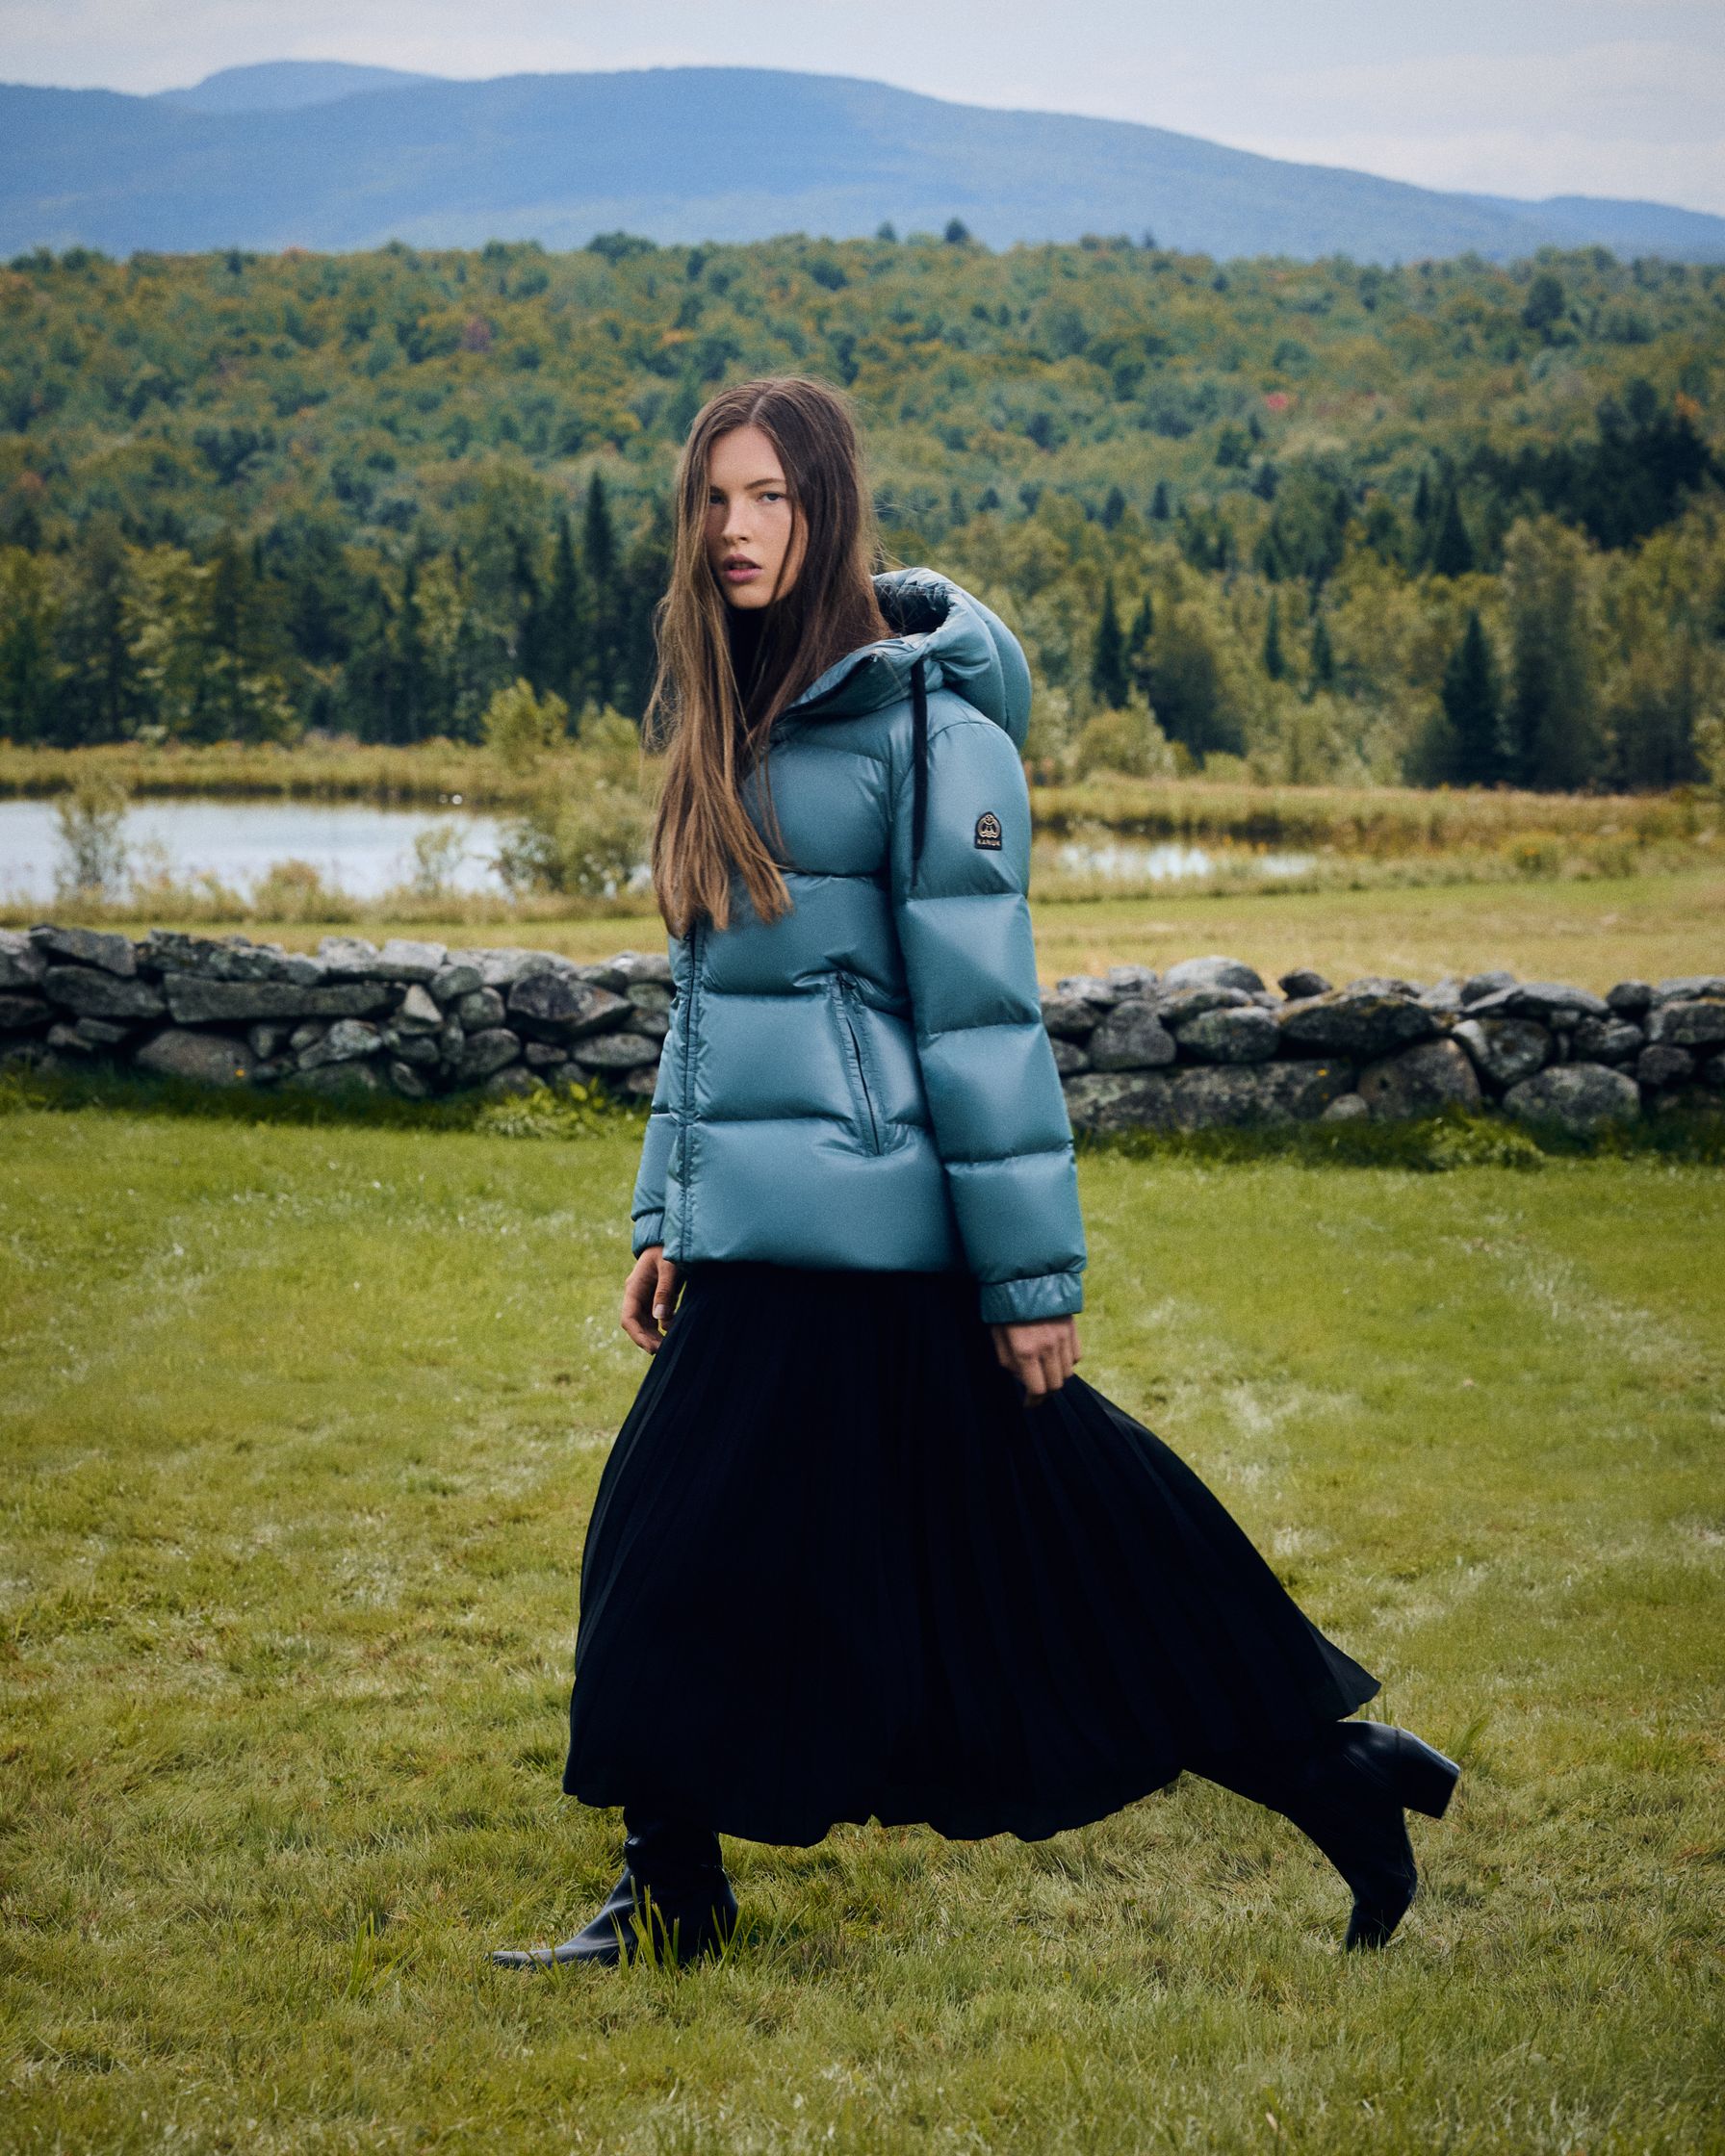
pixel 839 1568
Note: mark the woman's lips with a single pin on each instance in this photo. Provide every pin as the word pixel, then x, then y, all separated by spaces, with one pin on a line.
pixel 739 572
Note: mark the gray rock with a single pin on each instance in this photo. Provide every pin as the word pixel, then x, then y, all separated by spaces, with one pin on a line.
pixel 1302 984
pixel 511 1083
pixel 450 983
pixel 1212 973
pixel 485 1007
pixel 1552 1003
pixel 416 1048
pixel 563 1007
pixel 21 965
pixel 304 1036
pixel 1361 1026
pixel 503 968
pixel 483 1053
pixel 654 1024
pixel 1681 1025
pixel 614 1051
pixel 1612 1040
pixel 67 1039
pixel 1070 1017
pixel 1419 1082
pixel 1070 1059
pixel 207 1059
pixel 1092 986
pixel 225 958
pixel 1630 998
pixel 1130 1038
pixel 1479 986
pixel 196 1001
pixel 648 996
pixel 23 1013
pixel 1580 1096
pixel 347 1041
pixel 1132 980
pixel 451 1041
pixel 265 1040
pixel 351 957
pixel 1504 1050
pixel 92 994
pixel 543 1054
pixel 1661 1065
pixel 1386 984
pixel 417 1011
pixel 1199 1097
pixel 639 1085
pixel 1443 996
pixel 337 1079
pixel 1175 1009
pixel 99 1033
pixel 1684 989
pixel 86 946
pixel 1346 1108
pixel 409 1082
pixel 1712 1072
pixel 1244 1035
pixel 604 976
pixel 641 967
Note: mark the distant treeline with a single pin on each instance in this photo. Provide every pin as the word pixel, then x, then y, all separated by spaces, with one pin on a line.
pixel 1449 522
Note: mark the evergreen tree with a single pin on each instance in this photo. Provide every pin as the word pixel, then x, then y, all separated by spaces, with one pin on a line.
pixel 566 627
pixel 1160 507
pixel 1474 706
pixel 1138 636
pixel 1452 551
pixel 413 670
pixel 599 558
pixel 1323 673
pixel 1554 692
pixel 1113 510
pixel 1275 664
pixel 1108 656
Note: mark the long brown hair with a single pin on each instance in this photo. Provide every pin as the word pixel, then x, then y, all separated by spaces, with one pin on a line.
pixel 715 729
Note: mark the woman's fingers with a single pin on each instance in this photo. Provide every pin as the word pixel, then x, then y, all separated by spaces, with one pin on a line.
pixel 665 1289
pixel 642 1294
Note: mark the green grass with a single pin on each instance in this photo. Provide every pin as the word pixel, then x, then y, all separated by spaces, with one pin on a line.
pixel 302 1426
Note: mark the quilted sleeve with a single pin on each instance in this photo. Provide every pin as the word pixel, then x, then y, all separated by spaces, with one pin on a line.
pixel 999 1117
pixel 647 1208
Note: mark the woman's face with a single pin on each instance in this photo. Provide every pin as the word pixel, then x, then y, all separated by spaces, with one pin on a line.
pixel 753 544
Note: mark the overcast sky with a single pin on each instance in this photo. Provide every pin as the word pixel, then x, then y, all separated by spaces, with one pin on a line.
pixel 1530 97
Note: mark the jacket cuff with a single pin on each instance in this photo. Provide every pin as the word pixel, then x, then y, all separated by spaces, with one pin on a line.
pixel 649 1229
pixel 1023 1302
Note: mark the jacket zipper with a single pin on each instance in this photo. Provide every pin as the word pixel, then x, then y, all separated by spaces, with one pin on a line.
pixel 847 992
pixel 686 1135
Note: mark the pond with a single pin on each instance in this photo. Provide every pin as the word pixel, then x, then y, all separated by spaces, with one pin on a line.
pixel 363 849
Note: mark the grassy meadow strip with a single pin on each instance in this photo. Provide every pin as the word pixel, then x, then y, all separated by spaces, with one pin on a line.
pixel 302 1427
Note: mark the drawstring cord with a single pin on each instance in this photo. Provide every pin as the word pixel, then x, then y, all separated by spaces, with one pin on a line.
pixel 918 763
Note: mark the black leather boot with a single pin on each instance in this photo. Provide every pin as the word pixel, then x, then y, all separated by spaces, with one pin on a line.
pixel 672 1900
pixel 1348 1792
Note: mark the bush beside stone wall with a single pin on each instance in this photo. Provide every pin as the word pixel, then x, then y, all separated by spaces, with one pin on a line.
pixel 1205 1043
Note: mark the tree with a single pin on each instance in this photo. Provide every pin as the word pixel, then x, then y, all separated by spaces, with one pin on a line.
pixel 1474 706
pixel 1138 636
pixel 1452 551
pixel 566 622
pixel 1275 664
pixel 1108 656
pixel 598 558
pixel 1554 695
pixel 1322 659
pixel 1545 305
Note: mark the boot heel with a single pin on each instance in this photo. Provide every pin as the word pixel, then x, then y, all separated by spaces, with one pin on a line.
pixel 1425 1780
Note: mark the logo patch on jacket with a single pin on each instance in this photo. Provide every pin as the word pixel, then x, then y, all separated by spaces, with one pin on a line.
pixel 987 831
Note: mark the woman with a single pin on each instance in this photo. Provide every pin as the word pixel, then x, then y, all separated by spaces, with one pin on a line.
pixel 866 1545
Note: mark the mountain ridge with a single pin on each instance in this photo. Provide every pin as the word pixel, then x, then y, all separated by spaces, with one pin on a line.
pixel 335 160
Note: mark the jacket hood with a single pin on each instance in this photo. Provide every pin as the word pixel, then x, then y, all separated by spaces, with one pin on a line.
pixel 967 649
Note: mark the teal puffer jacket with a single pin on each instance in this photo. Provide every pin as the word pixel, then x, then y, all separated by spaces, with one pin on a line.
pixel 866 1082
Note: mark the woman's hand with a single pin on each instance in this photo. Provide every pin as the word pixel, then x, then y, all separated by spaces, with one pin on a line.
pixel 1040 1355
pixel 650 1298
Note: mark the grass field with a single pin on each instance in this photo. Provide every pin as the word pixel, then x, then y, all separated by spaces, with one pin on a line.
pixel 1588 933
pixel 301 1428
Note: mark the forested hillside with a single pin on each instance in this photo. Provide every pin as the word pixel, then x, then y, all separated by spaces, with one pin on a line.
pixel 1450 522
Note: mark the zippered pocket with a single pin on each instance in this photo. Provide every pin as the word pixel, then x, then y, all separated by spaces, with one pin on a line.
pixel 850 1019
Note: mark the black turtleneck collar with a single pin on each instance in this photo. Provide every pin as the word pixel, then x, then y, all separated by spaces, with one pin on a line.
pixel 746 628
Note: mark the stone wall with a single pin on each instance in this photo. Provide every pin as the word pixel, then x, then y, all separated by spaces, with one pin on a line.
pixel 1207 1043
